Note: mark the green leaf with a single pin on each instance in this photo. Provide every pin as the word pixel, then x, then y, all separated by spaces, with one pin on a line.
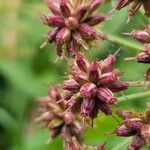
pixel 22 78
pixel 7 121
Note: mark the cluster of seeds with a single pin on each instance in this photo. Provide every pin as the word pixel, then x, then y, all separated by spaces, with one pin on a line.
pixel 136 4
pixel 142 56
pixel 136 125
pixel 55 118
pixel 91 85
pixel 72 23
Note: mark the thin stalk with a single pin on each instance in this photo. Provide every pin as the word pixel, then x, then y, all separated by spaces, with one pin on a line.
pixel 129 58
pixel 121 144
pixel 137 83
pixel 134 96
pixel 124 42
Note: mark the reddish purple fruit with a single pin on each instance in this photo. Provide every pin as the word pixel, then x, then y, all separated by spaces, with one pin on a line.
pixel 55 117
pixel 74 21
pixel 93 84
pixel 136 125
pixel 135 6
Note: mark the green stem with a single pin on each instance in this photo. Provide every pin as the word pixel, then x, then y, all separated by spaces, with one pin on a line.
pixel 136 83
pixel 121 144
pixel 134 96
pixel 124 42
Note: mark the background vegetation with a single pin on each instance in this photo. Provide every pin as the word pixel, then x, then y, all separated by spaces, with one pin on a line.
pixel 26 71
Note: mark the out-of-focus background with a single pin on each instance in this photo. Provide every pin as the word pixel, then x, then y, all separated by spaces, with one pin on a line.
pixel 26 71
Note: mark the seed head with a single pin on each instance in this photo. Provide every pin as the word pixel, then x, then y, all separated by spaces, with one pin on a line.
pixel 73 23
pixel 135 6
pixel 96 82
pixel 55 117
pixel 136 125
pixel 142 56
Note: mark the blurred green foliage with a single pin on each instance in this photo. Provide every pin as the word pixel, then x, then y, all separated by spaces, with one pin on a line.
pixel 26 71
